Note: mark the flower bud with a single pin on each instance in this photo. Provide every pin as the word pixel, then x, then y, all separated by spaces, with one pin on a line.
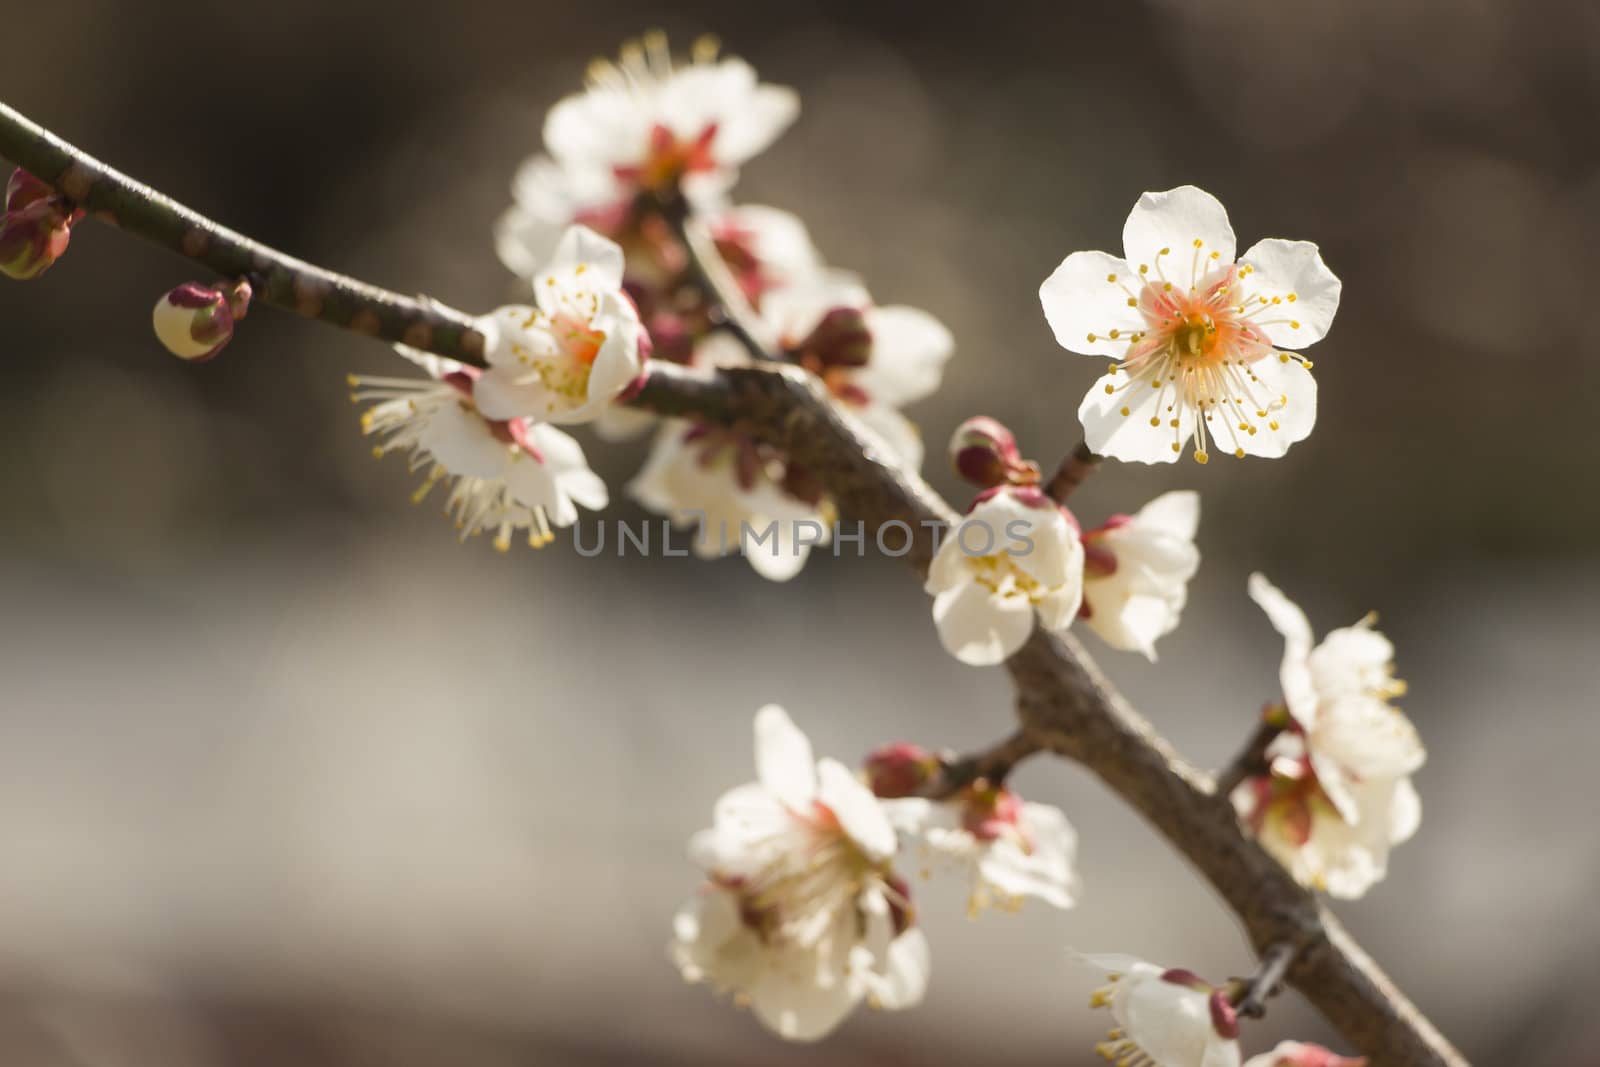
pixel 24 189
pixel 1298 1054
pixel 195 321
pixel 32 238
pixel 984 452
pixel 900 769
pixel 841 339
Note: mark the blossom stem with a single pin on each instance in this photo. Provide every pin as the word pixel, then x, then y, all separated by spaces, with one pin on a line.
pixel 275 278
pixel 992 766
pixel 1267 981
pixel 1251 760
pixel 711 274
pixel 1065 704
pixel 1075 469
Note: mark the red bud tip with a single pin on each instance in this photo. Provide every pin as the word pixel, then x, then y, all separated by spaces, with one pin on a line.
pixel 195 322
pixel 984 452
pixel 841 339
pixel 33 237
pixel 24 189
pixel 900 769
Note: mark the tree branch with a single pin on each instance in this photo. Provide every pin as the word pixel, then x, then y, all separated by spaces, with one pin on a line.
pixel 278 279
pixel 1063 701
pixel 1075 469
pixel 992 766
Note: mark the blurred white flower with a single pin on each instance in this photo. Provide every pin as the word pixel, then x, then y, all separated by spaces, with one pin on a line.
pixel 802 917
pixel 504 475
pixel 569 358
pixel 1338 794
pixel 874 360
pixel 1013 849
pixel 1200 340
pixel 735 491
pixel 1164 1018
pixel 1014 556
pixel 1137 570
pixel 1298 1054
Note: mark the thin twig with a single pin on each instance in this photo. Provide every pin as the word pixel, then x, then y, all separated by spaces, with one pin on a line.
pixel 278 279
pixel 711 273
pixel 1075 469
pixel 992 765
pixel 1251 760
pixel 1063 701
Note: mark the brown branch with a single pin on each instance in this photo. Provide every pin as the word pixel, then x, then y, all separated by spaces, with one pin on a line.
pixel 992 765
pixel 1064 703
pixel 1251 760
pixel 1075 469
pixel 278 279
pixel 1267 981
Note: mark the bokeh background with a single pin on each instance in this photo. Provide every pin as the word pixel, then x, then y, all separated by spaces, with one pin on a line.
pixel 288 776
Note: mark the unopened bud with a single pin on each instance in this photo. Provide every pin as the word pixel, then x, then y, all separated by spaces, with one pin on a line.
pixel 1298 1054
pixel 984 452
pixel 195 321
pixel 841 339
pixel 900 769
pixel 32 238
pixel 24 189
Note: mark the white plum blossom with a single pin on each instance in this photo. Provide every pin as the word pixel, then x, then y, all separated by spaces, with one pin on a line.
pixel 1164 1018
pixel 874 360
pixel 504 475
pixel 1299 1054
pixel 1013 849
pixel 643 125
pixel 1137 570
pixel 802 917
pixel 732 489
pixel 1202 343
pixel 567 359
pixel 1015 556
pixel 1338 794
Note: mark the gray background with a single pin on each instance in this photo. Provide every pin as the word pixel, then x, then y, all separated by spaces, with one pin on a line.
pixel 287 776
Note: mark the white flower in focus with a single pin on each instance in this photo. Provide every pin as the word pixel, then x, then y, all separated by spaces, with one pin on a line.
pixel 567 359
pixel 728 485
pixel 1014 556
pixel 1202 342
pixel 874 360
pixel 1298 1054
pixel 1164 1018
pixel 1339 792
pixel 646 123
pixel 1137 570
pixel 802 917
pixel 504 475
pixel 1013 849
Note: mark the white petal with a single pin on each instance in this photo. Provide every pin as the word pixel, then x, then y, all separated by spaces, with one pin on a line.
pixel 795 1006
pixel 1405 812
pixel 902 981
pixel 1086 296
pixel 778 238
pixel 1294 674
pixel 1131 437
pixel 460 441
pixel 785 765
pixel 978 628
pixel 436 366
pixel 533 486
pixel 581 246
pixel 503 393
pixel 910 816
pixel 950 568
pixel 1289 393
pixel 1057 610
pixel 1176 513
pixel 1045 869
pixel 909 350
pixel 860 814
pixel 1283 268
pixel 618 423
pixel 1174 220
pixel 755 123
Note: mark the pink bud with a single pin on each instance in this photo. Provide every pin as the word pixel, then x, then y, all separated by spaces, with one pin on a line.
pixel 1224 1018
pixel 984 452
pixel 1299 1054
pixel 900 769
pixel 24 189
pixel 32 238
pixel 194 321
pixel 989 813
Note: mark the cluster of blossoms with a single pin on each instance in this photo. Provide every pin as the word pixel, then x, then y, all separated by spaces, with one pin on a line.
pixel 1126 578
pixel 804 912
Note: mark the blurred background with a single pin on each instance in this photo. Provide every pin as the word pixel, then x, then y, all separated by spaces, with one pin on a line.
pixel 288 776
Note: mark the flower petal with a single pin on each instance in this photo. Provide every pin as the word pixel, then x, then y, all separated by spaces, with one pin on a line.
pixel 860 814
pixel 460 442
pixel 1145 433
pixel 909 350
pixel 1173 221
pixel 1295 672
pixel 1176 513
pixel 1087 297
pixel 1288 393
pixel 582 247
pixel 978 628
pixel 1293 272
pixel 785 765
